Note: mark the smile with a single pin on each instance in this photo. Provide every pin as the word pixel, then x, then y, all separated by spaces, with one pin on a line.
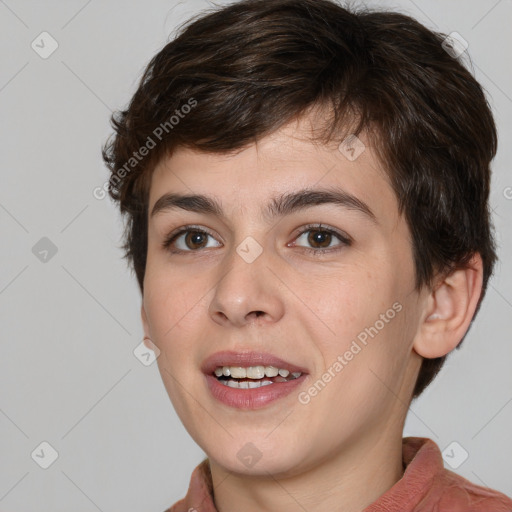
pixel 253 377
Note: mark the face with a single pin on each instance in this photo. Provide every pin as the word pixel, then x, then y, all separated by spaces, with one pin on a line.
pixel 261 275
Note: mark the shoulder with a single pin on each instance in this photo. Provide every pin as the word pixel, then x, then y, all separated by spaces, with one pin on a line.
pixel 430 487
pixel 457 494
pixel 200 492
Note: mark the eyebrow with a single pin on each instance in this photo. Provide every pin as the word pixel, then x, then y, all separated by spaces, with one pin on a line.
pixel 278 206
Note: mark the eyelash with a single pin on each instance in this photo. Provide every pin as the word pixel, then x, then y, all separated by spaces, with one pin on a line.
pixel 169 240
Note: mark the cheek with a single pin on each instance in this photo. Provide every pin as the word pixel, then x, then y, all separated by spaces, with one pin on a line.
pixel 171 301
pixel 365 313
pixel 353 300
pixel 368 364
pixel 172 309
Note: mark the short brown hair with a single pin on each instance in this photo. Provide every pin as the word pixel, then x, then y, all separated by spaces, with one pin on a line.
pixel 250 67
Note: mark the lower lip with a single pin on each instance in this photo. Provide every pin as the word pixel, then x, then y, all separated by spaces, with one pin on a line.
pixel 254 398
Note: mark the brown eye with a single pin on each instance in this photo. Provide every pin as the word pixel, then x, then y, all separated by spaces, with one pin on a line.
pixel 195 239
pixel 320 239
pixel 188 240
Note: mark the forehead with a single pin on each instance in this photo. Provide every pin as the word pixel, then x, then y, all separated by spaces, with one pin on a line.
pixel 281 163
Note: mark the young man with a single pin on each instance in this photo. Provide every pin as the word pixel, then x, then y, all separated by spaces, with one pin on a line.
pixel 306 189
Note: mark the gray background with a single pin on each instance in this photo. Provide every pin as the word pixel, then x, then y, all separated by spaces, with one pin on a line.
pixel 69 325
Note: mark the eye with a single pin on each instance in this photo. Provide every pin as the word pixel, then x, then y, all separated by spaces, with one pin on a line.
pixel 320 236
pixel 193 238
pixel 187 239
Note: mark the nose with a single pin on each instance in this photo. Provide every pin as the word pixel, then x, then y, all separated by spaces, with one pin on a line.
pixel 246 293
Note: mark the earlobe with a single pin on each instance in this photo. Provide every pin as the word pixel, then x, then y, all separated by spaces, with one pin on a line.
pixel 449 309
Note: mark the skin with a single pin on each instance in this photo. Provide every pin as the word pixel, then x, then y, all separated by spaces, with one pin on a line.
pixel 342 450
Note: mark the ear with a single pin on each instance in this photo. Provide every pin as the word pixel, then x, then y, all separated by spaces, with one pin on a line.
pixel 145 325
pixel 450 307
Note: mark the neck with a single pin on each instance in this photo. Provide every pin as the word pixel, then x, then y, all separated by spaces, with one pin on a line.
pixel 349 480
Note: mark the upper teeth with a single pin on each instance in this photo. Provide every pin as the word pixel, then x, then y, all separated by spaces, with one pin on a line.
pixel 253 372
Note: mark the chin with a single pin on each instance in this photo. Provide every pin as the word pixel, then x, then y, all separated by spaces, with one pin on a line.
pixel 245 457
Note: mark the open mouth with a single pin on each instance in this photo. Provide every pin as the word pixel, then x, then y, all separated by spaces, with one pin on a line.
pixel 234 378
pixel 251 377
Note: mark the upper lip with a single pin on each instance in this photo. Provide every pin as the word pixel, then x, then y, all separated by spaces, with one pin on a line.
pixel 245 359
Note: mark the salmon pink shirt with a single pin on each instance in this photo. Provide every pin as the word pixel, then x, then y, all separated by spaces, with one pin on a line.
pixel 426 486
